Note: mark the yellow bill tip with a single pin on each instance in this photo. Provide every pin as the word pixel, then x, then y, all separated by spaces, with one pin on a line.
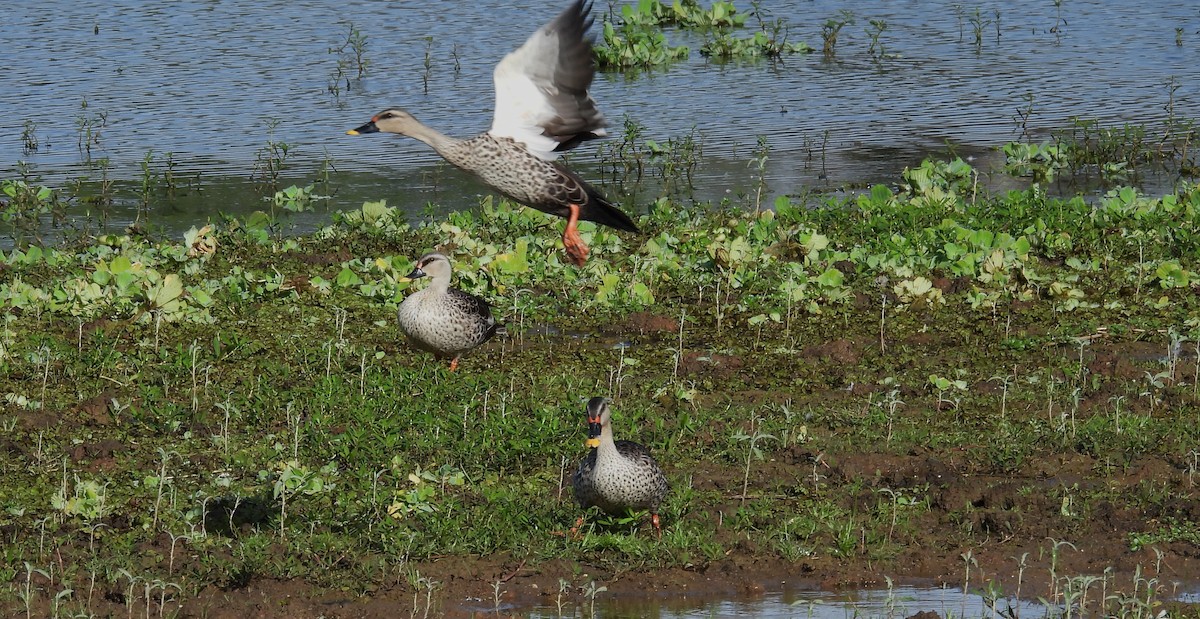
pixel 352 132
pixel 592 442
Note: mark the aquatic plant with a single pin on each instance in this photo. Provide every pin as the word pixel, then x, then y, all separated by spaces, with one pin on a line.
pixel 428 64
pixel 270 160
pixel 634 46
pixel 759 45
pixel 874 32
pixel 89 129
pixel 1041 161
pixel 830 30
pixel 23 208
pixel 683 13
pixel 29 139
pixel 979 24
pixel 351 59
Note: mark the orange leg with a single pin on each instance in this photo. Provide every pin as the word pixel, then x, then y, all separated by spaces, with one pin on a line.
pixel 576 248
pixel 575 529
pixel 657 525
pixel 454 364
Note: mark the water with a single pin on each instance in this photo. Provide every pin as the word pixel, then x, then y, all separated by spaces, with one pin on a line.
pixel 804 604
pixel 202 79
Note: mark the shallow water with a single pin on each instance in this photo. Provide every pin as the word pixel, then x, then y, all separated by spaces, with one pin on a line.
pixel 201 79
pixel 793 603
pixel 803 604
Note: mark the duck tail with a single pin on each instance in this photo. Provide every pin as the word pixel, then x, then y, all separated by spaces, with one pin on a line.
pixel 605 213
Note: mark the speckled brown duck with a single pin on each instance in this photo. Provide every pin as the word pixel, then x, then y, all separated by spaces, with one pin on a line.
pixel 617 476
pixel 542 109
pixel 443 320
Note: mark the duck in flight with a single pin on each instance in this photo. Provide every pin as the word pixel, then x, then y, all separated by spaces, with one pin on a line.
pixel 542 109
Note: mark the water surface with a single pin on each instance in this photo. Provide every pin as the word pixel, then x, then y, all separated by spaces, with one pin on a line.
pixel 203 80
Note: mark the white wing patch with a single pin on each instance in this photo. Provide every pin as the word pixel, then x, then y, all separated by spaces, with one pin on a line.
pixel 524 82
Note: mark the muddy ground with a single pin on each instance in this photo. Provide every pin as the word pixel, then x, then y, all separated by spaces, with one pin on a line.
pixel 1017 523
pixel 993 516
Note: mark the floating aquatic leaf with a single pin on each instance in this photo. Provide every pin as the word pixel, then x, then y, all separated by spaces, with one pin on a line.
pixel 165 294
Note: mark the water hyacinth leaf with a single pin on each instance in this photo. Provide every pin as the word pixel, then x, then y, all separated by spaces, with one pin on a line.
pixel 814 243
pixel 641 294
pixel 200 297
pixel 1171 275
pixel 346 278
pixel 831 278
pixel 881 195
pixel 374 211
pixel 120 264
pixel 516 261
pixel 607 288
pixel 32 255
pixel 165 294
pixel 1021 246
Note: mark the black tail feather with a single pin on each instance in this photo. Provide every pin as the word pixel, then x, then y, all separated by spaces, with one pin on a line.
pixel 605 213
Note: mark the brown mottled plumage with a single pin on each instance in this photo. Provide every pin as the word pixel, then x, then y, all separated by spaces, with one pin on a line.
pixel 443 320
pixel 542 109
pixel 617 476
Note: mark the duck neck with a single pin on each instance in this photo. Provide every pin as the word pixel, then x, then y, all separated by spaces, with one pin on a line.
pixel 439 285
pixel 440 142
pixel 608 447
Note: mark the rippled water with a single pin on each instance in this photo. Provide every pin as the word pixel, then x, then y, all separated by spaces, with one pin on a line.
pixel 894 603
pixel 201 79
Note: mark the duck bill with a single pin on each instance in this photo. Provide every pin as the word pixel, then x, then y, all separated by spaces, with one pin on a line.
pixel 593 439
pixel 367 128
pixel 417 273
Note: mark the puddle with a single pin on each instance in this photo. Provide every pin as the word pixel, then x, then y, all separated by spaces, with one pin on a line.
pixel 899 602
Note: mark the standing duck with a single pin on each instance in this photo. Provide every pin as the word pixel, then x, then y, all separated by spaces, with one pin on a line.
pixel 542 109
pixel 443 320
pixel 617 476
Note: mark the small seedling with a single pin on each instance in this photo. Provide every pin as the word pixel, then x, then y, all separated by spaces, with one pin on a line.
pixel 591 591
pixel 968 559
pixel 428 64
pixel 875 48
pixel 29 139
pixel 270 161
pixel 753 452
pixel 759 162
pixel 830 30
pixel 979 23
pixel 88 129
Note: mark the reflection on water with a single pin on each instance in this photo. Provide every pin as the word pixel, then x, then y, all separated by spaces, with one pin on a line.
pixel 202 80
pixel 897 602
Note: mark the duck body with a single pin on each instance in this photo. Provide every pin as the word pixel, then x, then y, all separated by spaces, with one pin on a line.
pixel 617 476
pixel 443 320
pixel 548 186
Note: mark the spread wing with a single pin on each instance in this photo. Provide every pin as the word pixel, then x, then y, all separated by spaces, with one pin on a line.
pixel 542 95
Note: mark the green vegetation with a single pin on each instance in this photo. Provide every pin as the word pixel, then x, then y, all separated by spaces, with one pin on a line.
pixel 760 44
pixel 636 46
pixel 236 405
pixel 352 61
pixel 638 40
pixel 830 30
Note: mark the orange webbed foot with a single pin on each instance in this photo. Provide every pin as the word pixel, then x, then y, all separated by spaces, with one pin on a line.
pixel 577 250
